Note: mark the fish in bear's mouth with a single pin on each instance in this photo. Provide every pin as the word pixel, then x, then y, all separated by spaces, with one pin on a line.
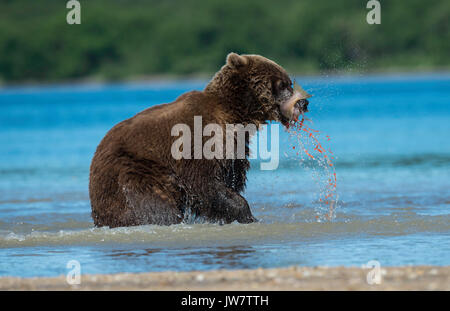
pixel 297 104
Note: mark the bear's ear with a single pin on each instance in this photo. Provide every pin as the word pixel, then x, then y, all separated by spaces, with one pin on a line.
pixel 236 61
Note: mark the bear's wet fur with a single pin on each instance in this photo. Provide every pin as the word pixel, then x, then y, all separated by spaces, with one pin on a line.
pixel 134 180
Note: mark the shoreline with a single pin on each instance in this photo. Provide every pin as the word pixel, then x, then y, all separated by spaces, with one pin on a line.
pixel 200 78
pixel 291 278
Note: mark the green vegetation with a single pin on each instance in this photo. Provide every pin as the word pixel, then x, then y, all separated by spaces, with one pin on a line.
pixel 119 39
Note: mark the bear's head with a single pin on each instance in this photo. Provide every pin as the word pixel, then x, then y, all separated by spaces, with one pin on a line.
pixel 258 89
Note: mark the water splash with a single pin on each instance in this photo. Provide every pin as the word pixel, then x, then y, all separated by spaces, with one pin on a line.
pixel 323 172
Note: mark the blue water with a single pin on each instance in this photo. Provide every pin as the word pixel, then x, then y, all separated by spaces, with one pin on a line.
pixel 390 136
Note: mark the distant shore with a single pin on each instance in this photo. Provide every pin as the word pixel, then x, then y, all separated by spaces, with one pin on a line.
pixel 292 278
pixel 161 80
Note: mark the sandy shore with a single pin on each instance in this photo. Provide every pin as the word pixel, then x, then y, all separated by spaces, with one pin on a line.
pixel 293 278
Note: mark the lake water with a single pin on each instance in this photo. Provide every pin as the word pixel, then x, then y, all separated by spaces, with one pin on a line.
pixel 390 136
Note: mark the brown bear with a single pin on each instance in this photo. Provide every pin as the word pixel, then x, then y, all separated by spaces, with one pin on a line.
pixel 135 180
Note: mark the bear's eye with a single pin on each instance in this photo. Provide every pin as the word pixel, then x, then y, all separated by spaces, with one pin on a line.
pixel 285 85
pixel 288 86
pixel 279 86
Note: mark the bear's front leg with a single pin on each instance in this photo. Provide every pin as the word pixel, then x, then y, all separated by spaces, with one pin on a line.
pixel 230 206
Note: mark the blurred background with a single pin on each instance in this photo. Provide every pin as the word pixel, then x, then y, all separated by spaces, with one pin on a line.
pixel 381 94
pixel 121 39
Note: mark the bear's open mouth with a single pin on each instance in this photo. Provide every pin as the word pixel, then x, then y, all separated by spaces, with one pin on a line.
pixel 301 106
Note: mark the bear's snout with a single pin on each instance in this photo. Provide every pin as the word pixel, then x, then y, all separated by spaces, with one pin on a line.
pixel 302 105
pixel 294 106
